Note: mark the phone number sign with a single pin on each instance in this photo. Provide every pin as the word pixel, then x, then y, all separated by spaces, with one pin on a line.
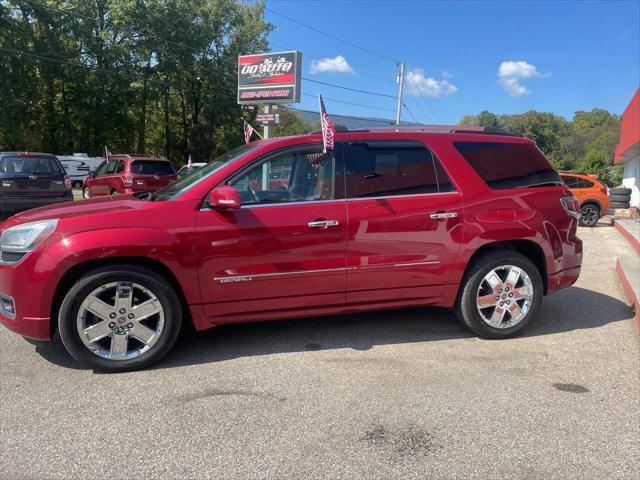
pixel 269 78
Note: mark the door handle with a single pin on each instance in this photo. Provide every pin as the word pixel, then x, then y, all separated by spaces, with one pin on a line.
pixel 323 223
pixel 441 215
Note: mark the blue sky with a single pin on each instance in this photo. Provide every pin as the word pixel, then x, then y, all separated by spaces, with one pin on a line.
pixel 464 57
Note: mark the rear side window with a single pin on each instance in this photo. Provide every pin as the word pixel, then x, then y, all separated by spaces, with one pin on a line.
pixel 571 182
pixel 381 169
pixel 27 165
pixel 509 165
pixel 150 167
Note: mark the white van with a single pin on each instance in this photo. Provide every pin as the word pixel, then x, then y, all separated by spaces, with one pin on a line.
pixel 78 166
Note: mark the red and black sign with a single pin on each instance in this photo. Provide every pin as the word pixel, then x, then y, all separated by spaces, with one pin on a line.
pixel 269 78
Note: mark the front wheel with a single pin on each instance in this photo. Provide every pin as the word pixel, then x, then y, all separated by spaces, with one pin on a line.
pixel 500 294
pixel 86 193
pixel 120 318
pixel 589 215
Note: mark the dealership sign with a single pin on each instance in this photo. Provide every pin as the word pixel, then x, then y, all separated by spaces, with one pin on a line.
pixel 269 78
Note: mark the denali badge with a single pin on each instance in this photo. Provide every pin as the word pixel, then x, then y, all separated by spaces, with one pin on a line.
pixel 232 279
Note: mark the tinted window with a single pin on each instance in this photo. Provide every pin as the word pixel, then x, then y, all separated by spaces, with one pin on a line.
pixel 23 165
pixel 585 183
pixel 393 168
pixel 120 166
pixel 101 168
pixel 571 182
pixel 296 176
pixel 111 167
pixel 150 167
pixel 509 165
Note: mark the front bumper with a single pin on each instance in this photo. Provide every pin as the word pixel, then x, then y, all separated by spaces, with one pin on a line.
pixel 26 283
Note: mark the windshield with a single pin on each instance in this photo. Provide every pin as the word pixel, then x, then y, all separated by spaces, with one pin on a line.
pixel 177 188
pixel 23 165
pixel 152 167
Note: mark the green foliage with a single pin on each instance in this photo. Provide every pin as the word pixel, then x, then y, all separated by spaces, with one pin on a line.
pixel 585 144
pixel 153 76
pixel 291 124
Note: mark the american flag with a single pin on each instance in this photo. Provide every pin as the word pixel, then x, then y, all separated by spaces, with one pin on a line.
pixel 248 131
pixel 107 153
pixel 189 164
pixel 328 130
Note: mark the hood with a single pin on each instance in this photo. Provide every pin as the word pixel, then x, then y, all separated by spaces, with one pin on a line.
pixel 79 208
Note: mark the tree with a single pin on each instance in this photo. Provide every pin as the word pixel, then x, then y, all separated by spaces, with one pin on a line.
pixel 291 124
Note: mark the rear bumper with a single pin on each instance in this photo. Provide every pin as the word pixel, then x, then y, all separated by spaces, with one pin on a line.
pixel 13 205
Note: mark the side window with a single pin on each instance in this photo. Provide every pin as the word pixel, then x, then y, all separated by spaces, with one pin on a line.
pixel 571 182
pixel 101 168
pixel 295 176
pixel 585 183
pixel 378 169
pixel 111 167
pixel 120 166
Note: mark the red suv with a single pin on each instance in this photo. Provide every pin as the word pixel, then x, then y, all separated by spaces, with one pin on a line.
pixel 125 174
pixel 474 220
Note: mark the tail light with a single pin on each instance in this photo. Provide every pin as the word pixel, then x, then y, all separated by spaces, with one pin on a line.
pixel 603 190
pixel 67 182
pixel 128 181
pixel 571 205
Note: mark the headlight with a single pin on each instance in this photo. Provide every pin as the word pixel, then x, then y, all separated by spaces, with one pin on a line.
pixel 16 242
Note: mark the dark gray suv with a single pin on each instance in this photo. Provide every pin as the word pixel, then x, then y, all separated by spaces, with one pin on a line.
pixel 30 180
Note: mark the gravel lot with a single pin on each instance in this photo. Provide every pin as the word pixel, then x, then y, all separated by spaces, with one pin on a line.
pixel 398 394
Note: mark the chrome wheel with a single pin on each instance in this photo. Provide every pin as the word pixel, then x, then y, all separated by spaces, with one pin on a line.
pixel 120 320
pixel 589 216
pixel 86 193
pixel 504 296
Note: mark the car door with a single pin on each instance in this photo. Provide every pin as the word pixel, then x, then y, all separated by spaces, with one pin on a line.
pixel 101 183
pixel 404 227
pixel 284 249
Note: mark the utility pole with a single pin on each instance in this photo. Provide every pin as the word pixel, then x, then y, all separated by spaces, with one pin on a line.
pixel 401 83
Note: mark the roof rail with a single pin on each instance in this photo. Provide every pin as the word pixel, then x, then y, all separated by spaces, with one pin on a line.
pixel 428 129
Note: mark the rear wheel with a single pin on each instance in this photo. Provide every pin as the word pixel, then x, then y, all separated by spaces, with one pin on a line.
pixel 500 294
pixel 589 215
pixel 86 193
pixel 113 193
pixel 120 318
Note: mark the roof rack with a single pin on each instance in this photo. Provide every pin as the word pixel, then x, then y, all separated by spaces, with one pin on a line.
pixel 428 129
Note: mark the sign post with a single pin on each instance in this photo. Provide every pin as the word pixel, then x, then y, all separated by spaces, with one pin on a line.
pixel 267 79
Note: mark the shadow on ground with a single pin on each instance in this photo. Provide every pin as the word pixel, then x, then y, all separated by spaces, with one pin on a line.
pixel 571 309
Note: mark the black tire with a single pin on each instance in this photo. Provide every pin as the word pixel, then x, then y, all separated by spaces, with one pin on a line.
pixel 589 215
pixel 466 309
pixel 614 205
pixel 619 198
pixel 163 291
pixel 113 193
pixel 619 191
pixel 86 193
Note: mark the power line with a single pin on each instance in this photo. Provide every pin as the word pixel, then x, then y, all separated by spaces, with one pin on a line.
pixel 348 88
pixel 410 113
pixel 317 30
pixel 350 103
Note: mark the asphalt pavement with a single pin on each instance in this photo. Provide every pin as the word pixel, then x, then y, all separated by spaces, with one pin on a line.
pixel 395 394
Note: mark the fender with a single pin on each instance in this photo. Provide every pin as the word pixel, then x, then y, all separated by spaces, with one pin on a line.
pixel 156 244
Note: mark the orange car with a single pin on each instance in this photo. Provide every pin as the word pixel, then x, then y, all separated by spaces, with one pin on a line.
pixel 592 195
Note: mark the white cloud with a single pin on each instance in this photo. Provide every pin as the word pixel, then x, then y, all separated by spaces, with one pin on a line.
pixel 338 64
pixel 420 86
pixel 511 73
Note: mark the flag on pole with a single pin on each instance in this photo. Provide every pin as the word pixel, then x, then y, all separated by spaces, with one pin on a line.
pixel 328 130
pixel 249 131
pixel 107 153
pixel 189 164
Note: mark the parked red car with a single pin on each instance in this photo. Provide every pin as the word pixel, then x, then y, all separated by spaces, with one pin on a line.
pixel 126 174
pixel 465 218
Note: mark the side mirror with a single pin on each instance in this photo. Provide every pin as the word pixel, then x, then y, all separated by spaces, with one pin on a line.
pixel 92 173
pixel 224 197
